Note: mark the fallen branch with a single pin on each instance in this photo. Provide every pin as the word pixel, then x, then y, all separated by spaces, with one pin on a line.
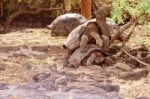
pixel 139 61
pixel 95 5
pixel 126 39
pixel 116 35
pixel 129 35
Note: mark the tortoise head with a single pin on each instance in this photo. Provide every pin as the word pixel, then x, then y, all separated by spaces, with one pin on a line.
pixel 55 27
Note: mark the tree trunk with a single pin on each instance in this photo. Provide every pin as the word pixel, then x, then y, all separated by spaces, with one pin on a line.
pixel 86 7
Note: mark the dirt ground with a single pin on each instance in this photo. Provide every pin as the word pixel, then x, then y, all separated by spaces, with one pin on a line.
pixel 31 68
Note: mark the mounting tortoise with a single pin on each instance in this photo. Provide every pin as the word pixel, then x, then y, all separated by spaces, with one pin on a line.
pixel 83 34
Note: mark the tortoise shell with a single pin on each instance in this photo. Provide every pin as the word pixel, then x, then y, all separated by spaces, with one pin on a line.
pixel 64 24
pixel 73 40
pixel 78 55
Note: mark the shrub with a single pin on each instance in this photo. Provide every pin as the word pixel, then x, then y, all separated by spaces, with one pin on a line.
pixel 138 9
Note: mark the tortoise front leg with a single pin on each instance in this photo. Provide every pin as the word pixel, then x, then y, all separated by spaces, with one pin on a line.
pixel 106 40
pixel 95 35
pixel 83 42
pixel 67 54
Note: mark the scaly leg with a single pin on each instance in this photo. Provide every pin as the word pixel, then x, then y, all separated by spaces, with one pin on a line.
pixel 99 41
pixel 83 42
pixel 67 54
pixel 106 40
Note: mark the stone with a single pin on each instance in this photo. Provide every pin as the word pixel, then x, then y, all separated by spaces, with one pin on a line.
pixel 134 75
pixel 143 97
pixel 2 66
pixel 108 61
pixel 3 86
pixel 147 58
pixel 26 66
pixel 123 66
pixel 110 87
pixel 41 76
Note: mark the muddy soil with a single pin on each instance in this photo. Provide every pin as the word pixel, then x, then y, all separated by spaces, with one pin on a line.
pixel 31 68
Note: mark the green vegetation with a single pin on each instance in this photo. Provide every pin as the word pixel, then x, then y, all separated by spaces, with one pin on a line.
pixel 10 6
pixel 138 9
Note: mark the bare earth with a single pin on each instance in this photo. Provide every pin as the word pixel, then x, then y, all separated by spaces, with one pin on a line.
pixel 31 68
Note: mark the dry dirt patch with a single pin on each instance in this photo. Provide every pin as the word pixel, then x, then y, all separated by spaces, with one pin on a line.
pixel 19 66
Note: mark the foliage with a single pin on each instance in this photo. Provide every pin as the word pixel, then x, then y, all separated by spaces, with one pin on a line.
pixel 12 5
pixel 140 10
pixel 72 5
pixel 74 2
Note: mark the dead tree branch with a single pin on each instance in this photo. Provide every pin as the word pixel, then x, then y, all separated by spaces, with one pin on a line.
pixel 139 61
pixel 116 35
pixel 95 5
pixel 129 35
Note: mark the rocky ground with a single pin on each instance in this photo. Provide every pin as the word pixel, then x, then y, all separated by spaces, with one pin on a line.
pixel 31 68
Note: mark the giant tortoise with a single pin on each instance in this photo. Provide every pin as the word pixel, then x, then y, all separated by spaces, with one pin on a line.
pixel 83 34
pixel 64 24
pixel 91 56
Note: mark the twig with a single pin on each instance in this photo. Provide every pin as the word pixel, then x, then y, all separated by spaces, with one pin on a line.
pixel 126 39
pixel 116 35
pixel 143 63
pixel 129 35
pixel 95 5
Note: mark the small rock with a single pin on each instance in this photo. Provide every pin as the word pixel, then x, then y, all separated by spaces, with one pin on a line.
pixel 24 52
pixel 40 48
pixel 41 76
pixel 13 86
pixel 110 87
pixel 42 56
pixel 3 86
pixel 135 75
pixel 2 66
pixel 108 61
pixel 41 88
pixel 114 49
pixel 21 52
pixel 131 61
pixel 4 56
pixel 147 58
pixel 26 66
pixel 49 84
pixel 123 66
pixel 143 97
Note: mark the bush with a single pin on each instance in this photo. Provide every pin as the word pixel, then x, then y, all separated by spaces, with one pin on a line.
pixel 138 9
